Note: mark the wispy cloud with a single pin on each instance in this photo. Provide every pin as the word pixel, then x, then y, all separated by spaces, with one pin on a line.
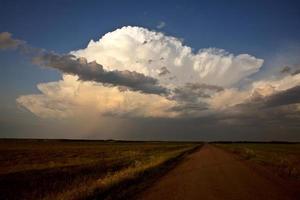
pixel 161 25
pixel 7 42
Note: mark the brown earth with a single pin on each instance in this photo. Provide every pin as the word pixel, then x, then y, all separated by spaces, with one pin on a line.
pixel 212 173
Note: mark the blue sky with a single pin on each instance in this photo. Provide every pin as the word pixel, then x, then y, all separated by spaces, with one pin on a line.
pixel 256 27
pixel 262 28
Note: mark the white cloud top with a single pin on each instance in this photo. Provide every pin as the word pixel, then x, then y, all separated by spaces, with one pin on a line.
pixel 144 51
pixel 201 82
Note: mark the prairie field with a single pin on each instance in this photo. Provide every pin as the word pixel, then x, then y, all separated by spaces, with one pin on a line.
pixel 75 169
pixel 283 158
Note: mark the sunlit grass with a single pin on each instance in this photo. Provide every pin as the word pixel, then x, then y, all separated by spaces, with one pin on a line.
pixel 54 169
pixel 285 158
pixel 111 180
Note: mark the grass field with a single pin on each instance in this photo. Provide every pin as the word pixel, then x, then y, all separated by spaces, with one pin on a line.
pixel 283 158
pixel 70 169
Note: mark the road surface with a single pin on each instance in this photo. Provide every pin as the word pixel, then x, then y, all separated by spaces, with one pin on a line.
pixel 212 173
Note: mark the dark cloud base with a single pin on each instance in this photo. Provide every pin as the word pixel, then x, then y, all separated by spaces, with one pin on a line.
pixel 86 71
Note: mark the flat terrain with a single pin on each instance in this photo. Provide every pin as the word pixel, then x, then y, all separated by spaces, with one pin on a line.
pixel 281 158
pixel 212 173
pixel 73 169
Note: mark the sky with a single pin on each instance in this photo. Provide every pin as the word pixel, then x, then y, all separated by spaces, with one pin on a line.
pixel 150 70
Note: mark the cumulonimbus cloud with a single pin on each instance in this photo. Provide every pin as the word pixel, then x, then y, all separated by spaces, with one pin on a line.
pixel 175 80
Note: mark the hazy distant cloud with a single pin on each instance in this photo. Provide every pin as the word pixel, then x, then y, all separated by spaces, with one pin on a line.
pixel 286 97
pixel 281 109
pixel 7 42
pixel 258 90
pixel 262 104
pixel 161 25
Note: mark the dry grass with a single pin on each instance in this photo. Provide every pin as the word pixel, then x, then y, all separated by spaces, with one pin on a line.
pixel 55 169
pixel 283 158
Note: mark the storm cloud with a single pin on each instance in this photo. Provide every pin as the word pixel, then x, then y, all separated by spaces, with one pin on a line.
pixel 286 97
pixel 155 82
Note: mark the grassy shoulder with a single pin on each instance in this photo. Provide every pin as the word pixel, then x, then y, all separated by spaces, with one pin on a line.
pixel 55 169
pixel 283 158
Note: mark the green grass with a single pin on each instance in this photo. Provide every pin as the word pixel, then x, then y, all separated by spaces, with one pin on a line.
pixel 283 158
pixel 63 169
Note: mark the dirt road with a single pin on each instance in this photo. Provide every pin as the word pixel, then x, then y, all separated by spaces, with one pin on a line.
pixel 212 173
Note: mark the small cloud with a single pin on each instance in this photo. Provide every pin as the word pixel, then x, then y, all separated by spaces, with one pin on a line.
pixel 7 42
pixel 164 71
pixel 296 72
pixel 286 69
pixel 161 24
pixel 291 70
